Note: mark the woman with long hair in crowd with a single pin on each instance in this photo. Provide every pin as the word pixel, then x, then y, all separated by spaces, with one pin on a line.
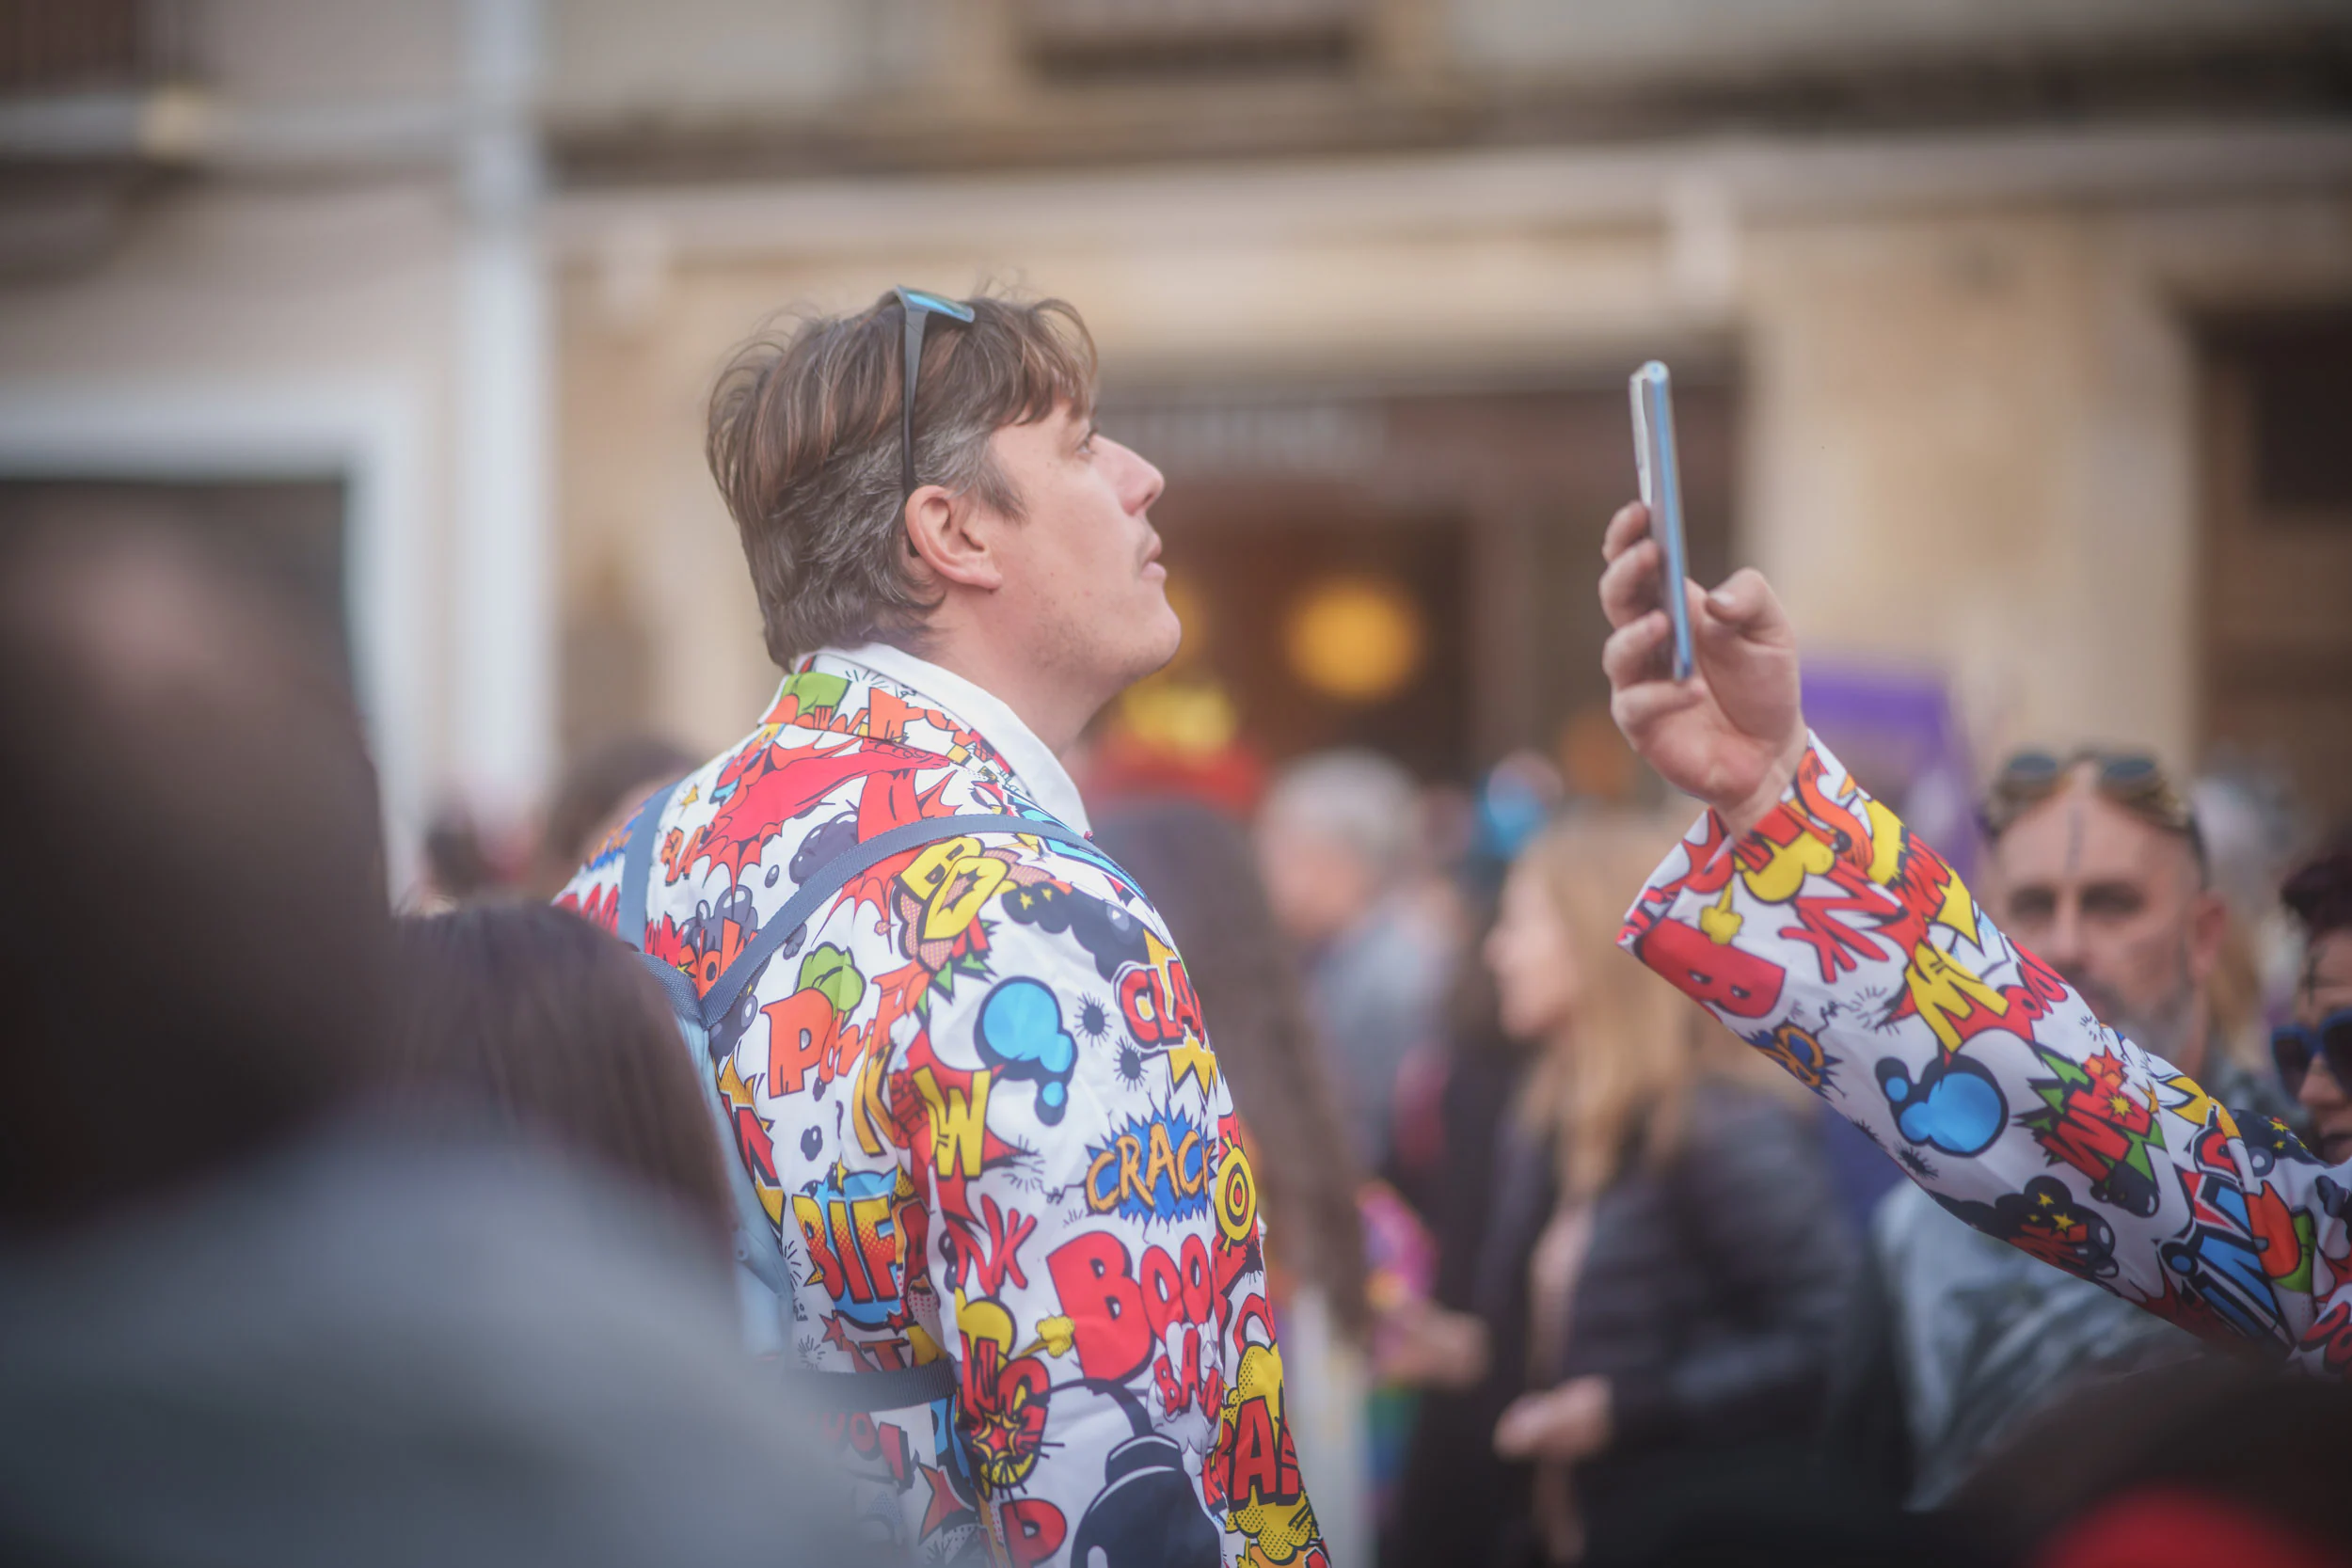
pixel 1196 864
pixel 1655 1284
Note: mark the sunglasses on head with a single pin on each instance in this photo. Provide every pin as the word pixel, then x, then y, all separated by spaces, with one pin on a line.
pixel 2133 780
pixel 2296 1046
pixel 917 307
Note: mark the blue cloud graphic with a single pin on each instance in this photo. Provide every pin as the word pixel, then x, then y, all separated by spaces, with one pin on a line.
pixel 1021 1036
pixel 1953 1106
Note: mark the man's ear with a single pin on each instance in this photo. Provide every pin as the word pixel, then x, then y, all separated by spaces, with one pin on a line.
pixel 2208 927
pixel 949 534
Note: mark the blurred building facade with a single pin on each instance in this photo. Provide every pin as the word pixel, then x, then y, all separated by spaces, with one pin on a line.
pixel 2011 338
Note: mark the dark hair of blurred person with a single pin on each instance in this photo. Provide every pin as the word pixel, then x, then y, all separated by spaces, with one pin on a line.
pixel 459 867
pixel 1196 866
pixel 595 797
pixel 2225 1461
pixel 559 1033
pixel 1655 1286
pixel 194 940
pixel 2320 896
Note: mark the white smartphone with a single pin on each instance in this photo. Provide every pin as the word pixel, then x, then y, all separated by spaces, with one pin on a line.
pixel 1661 492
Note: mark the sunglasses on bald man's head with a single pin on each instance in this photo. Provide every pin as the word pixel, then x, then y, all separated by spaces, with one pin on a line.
pixel 2133 780
pixel 917 307
pixel 2296 1046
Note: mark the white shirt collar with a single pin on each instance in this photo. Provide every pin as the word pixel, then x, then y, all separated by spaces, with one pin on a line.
pixel 1039 770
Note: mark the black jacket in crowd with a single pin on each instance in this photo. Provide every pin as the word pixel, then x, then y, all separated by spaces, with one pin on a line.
pixel 1711 1298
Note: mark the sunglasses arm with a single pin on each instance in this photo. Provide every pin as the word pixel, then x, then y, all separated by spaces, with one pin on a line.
pixel 917 316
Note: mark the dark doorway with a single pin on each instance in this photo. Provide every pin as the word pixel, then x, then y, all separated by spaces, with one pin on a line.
pixel 1275 577
pixel 1476 514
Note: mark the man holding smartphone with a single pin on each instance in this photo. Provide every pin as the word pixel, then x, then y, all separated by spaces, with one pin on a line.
pixel 1812 923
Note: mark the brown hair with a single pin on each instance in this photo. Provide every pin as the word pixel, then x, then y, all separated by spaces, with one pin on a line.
pixel 2320 894
pixel 558 1032
pixel 803 440
pixel 1615 1085
pixel 1196 866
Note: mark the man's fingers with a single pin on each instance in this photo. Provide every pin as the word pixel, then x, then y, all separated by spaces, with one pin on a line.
pixel 1628 584
pixel 1631 523
pixel 1638 707
pixel 1635 651
pixel 1745 604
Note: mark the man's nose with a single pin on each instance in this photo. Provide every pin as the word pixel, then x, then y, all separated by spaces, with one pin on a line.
pixel 1140 483
pixel 2319 1089
pixel 2062 947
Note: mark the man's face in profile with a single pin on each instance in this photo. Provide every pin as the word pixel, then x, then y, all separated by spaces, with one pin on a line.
pixel 1084 560
pixel 2114 903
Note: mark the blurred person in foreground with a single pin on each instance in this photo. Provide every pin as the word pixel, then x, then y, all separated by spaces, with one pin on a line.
pixel 242 1317
pixel 1337 840
pixel 971 1088
pixel 532 1018
pixel 2216 1464
pixel 1816 926
pixel 1197 865
pixel 2097 864
pixel 1655 1297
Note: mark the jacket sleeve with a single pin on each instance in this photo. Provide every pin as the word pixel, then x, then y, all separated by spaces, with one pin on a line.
pixel 1094 1237
pixel 1754 1191
pixel 1844 948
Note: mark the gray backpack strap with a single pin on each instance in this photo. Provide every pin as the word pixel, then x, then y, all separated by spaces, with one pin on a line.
pixel 828 880
pixel 755 1234
pixel 755 1245
pixel 637 865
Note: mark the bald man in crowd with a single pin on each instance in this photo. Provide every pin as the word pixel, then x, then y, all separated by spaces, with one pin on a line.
pixel 2098 866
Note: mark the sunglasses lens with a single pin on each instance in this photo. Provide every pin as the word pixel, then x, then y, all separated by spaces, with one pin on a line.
pixel 2028 773
pixel 2335 1044
pixel 2292 1053
pixel 2031 764
pixel 2133 779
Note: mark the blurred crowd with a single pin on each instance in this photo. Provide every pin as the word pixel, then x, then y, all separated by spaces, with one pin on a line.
pixel 337 1232
pixel 1237 1055
pixel 1634 1298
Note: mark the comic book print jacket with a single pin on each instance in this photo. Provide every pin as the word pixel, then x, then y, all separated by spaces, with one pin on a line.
pixel 976 1099
pixel 1844 948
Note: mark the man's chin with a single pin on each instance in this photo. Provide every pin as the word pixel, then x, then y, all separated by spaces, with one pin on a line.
pixel 1161 652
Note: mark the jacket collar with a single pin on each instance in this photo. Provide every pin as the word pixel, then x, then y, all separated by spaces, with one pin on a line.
pixel 1040 772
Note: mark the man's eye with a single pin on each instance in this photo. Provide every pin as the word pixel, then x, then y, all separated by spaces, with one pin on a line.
pixel 2032 904
pixel 2112 900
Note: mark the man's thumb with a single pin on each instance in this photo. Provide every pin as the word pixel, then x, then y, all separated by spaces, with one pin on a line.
pixel 1744 602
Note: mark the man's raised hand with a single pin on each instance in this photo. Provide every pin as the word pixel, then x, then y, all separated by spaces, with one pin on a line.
pixel 1733 734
